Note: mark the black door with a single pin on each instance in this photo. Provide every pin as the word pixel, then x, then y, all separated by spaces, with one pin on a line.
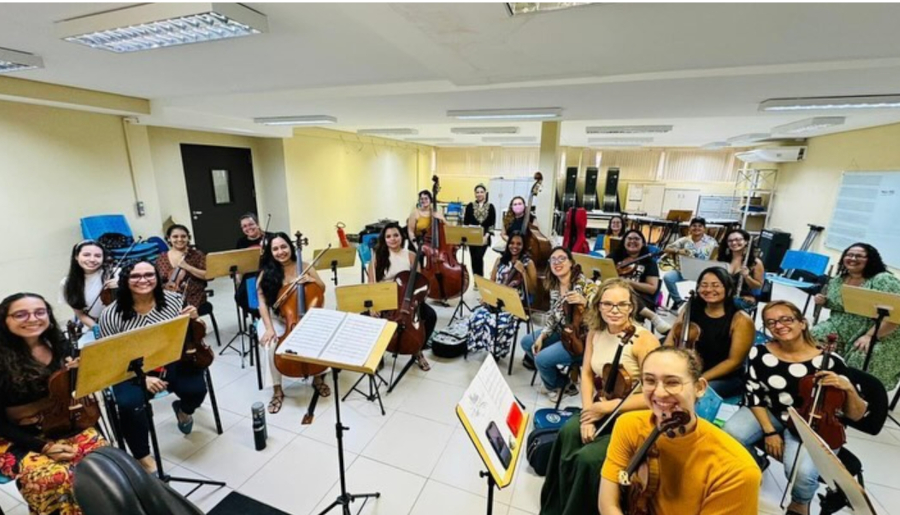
pixel 220 189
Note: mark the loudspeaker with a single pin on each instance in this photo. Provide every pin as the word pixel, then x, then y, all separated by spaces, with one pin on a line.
pixel 773 245
pixel 569 193
pixel 611 192
pixel 590 188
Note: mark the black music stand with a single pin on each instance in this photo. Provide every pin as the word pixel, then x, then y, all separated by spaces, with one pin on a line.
pixel 464 236
pixel 234 263
pixel 125 356
pixel 335 258
pixel 367 298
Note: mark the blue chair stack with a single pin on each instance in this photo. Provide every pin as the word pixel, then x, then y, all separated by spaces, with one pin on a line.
pixel 93 227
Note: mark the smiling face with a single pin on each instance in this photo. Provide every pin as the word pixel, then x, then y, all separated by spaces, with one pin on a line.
pixel 250 228
pixel 736 242
pixel 424 201
pixel 142 279
pixel 697 230
pixel 90 258
pixel 28 318
pixel 480 195
pixel 711 289
pixel 633 243
pixel 515 246
pixel 281 250
pixel 668 385
pixel 615 226
pixel 855 260
pixel 560 264
pixel 393 238
pixel 179 239
pixel 783 323
pixel 615 308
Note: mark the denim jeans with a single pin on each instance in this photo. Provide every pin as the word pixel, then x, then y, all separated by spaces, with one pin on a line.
pixel 744 427
pixel 552 354
pixel 671 278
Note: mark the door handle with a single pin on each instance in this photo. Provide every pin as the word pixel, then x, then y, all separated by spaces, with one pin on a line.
pixel 196 213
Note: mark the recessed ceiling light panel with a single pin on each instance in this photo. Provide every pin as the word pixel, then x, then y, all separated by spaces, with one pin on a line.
pixel 484 130
pixel 509 139
pixel 826 103
pixel 529 113
pixel 620 141
pixel 160 25
pixel 750 137
pixel 716 145
pixel 389 132
pixel 629 129
pixel 316 119
pixel 15 61
pixel 809 125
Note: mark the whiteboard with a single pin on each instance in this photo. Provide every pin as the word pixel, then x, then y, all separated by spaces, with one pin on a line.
pixel 868 210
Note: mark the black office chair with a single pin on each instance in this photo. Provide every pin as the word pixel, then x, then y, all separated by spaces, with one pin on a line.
pixel 207 309
pixel 110 481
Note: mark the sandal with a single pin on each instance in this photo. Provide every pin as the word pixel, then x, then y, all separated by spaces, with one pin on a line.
pixel 321 387
pixel 423 364
pixel 276 403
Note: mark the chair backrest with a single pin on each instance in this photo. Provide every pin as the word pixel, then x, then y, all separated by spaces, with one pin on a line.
pixel 92 227
pixel 873 392
pixel 366 244
pixel 810 262
pixel 454 208
pixel 252 299
pixel 598 243
pixel 161 245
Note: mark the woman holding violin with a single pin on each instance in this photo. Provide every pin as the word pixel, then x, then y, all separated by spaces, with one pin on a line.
pixel 567 286
pixel 141 301
pixel 389 259
pixel 615 229
pixel 481 212
pixel 774 383
pixel 514 218
pixel 279 269
pixel 740 255
pixel 636 264
pixel 32 348
pixel 573 471
pixel 725 332
pixel 516 270
pixel 691 465
pixel 861 265
pixel 87 277
pixel 183 267
pixel 419 221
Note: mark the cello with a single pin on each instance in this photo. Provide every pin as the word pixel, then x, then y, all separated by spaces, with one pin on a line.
pixel 67 415
pixel 448 279
pixel 537 245
pixel 412 289
pixel 195 353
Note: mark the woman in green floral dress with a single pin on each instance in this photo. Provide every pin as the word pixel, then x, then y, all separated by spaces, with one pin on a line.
pixel 861 265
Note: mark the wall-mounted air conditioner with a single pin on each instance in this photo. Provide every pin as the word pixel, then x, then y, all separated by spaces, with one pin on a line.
pixel 773 155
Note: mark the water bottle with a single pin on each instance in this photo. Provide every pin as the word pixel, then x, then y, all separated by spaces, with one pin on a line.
pixel 260 434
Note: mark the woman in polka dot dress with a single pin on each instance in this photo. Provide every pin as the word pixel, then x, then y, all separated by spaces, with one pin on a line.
pixel 773 383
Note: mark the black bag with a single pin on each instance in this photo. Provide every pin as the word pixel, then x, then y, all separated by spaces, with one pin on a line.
pixel 451 342
pixel 115 241
pixel 540 443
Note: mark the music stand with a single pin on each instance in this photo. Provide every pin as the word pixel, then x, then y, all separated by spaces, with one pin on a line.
pixel 879 306
pixel 115 359
pixel 334 258
pixel 464 236
pixel 830 468
pixel 502 298
pixel 235 263
pixel 598 269
pixel 361 298
pixel 369 366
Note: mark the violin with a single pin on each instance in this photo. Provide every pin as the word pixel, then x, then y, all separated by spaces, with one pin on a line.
pixel 687 333
pixel 342 236
pixel 628 266
pixel 413 290
pixel 448 279
pixel 821 404
pixel 615 382
pixel 747 254
pixel 537 245
pixel 572 334
pixel 265 236
pixel 293 302
pixel 67 415
pixel 195 353
pixel 817 311
pixel 640 481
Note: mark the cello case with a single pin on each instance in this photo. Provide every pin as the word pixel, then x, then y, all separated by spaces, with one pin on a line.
pixel 574 238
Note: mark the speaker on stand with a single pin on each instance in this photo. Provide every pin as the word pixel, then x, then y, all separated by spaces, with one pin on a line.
pixel 569 197
pixel 590 189
pixel 611 191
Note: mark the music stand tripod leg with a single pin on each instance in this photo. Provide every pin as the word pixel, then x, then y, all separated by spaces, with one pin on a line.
pixel 459 312
pixel 409 364
pixel 490 495
pixel 242 329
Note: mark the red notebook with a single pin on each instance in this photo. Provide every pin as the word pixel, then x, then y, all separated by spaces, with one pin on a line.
pixel 514 419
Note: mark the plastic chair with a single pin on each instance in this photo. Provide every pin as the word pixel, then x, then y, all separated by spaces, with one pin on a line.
pixel 161 245
pixel 800 269
pixel 598 251
pixel 366 244
pixel 93 227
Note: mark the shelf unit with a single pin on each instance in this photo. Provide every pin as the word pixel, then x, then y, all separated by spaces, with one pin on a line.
pixel 753 183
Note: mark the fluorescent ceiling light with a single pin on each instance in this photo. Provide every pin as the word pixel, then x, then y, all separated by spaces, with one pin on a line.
pixel 809 125
pixel 509 139
pixel 316 119
pixel 823 103
pixel 716 145
pixel 749 138
pixel 514 8
pixel 484 130
pixel 430 140
pixel 159 25
pixel 620 141
pixel 629 129
pixel 531 113
pixel 390 132
pixel 15 61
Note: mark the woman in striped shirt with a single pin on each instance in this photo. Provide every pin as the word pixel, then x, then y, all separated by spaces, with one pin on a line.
pixel 141 301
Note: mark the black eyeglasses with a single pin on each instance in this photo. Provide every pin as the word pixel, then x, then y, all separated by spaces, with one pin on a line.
pixel 136 278
pixel 785 321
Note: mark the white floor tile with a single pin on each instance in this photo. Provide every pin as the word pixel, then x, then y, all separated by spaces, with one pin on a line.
pixel 886 500
pixel 440 499
pixel 206 497
pixel 526 488
pixel 174 445
pixel 364 419
pixel 879 462
pixel 411 443
pixel 18 510
pixel 8 502
pixel 435 401
pixel 399 489
pixel 460 466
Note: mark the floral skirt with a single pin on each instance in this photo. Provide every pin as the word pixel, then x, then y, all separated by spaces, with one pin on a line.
pixel 45 484
pixel 482 330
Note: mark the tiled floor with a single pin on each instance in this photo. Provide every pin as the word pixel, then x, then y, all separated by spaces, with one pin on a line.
pixel 416 455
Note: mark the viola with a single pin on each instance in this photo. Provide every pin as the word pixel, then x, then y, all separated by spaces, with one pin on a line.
pixel 640 481
pixel 821 404
pixel 628 266
pixel 413 290
pixel 537 245
pixel 342 236
pixel 687 333
pixel 572 334
pixel 196 353
pixel 66 415
pixel 447 277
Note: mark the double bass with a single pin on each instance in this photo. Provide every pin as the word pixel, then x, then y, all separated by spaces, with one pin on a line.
pixel 448 279
pixel 538 246
pixel 67 415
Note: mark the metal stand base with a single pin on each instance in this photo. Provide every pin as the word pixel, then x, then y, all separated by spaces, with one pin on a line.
pixel 375 382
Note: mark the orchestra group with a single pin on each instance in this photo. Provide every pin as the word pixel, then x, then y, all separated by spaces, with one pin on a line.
pixel 641 380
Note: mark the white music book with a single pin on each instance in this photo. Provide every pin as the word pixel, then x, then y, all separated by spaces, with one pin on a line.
pixel 334 336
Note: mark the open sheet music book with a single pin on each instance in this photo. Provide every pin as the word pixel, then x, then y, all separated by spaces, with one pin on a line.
pixel 334 336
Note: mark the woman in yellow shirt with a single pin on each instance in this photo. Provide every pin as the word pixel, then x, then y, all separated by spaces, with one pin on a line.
pixel 702 471
pixel 419 222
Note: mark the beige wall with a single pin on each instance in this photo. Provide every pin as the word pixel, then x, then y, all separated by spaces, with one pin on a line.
pixel 806 191
pixel 334 176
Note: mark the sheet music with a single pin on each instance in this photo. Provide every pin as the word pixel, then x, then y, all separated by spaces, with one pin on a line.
pixel 313 334
pixel 353 341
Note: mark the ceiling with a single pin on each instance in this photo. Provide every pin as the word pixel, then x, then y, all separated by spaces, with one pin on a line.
pixel 703 68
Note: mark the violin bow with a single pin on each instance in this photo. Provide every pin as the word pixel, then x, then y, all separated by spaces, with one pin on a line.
pixel 296 281
pixel 609 417
pixel 115 269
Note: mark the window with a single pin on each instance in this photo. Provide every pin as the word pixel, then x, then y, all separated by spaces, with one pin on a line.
pixel 221 187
